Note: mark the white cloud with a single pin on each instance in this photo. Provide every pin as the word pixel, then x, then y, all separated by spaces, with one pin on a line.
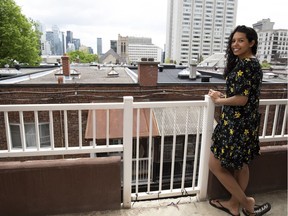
pixel 89 19
pixel 252 11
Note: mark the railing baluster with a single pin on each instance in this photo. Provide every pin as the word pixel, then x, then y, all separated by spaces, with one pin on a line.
pixel 173 152
pixel 275 120
pixel 37 130
pixel 127 152
pixel 107 126
pixel 22 131
pixel 149 150
pixel 51 129
pixel 8 133
pixel 197 144
pixel 207 130
pixel 284 121
pixel 137 150
pixel 66 129
pixel 265 121
pixel 80 128
pixel 162 150
pixel 185 149
pixel 94 127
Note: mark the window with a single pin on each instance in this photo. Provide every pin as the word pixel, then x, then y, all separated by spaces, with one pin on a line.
pixel 30 135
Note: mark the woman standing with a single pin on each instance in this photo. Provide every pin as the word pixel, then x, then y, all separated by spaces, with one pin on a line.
pixel 235 138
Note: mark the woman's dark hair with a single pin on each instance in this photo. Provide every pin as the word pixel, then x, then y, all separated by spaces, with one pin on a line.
pixel 231 59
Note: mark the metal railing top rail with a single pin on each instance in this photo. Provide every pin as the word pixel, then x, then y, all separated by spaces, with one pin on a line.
pixel 58 107
pixel 273 101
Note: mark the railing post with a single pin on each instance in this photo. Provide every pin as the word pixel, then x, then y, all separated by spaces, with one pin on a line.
pixel 127 152
pixel 208 122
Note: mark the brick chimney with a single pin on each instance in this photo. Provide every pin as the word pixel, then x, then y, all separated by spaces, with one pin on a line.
pixel 148 73
pixel 65 65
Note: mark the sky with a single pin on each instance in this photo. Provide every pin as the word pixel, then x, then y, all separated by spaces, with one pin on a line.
pixel 92 19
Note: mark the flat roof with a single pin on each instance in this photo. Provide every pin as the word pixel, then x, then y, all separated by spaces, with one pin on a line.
pixel 127 75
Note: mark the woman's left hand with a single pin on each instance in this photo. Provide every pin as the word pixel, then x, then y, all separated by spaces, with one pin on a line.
pixel 215 95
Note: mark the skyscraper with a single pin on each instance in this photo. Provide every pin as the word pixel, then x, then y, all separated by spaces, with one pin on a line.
pixel 69 38
pixel 99 46
pixel 197 29
pixel 58 39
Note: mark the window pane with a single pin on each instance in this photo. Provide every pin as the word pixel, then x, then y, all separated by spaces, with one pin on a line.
pixel 44 135
pixel 15 136
pixel 30 135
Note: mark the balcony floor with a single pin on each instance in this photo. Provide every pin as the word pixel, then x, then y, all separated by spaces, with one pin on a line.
pixel 184 206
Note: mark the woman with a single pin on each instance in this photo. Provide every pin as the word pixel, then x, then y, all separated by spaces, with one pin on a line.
pixel 235 138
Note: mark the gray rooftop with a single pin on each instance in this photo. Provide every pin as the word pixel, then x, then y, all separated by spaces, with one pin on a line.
pixel 86 74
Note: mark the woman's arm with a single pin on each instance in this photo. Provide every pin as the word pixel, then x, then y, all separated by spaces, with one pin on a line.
pixel 219 99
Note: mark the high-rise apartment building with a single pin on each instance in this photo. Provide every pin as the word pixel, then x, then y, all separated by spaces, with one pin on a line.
pixel 272 43
pixel 197 29
pixel 99 46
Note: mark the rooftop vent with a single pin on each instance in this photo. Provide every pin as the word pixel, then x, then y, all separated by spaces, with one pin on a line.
pixel 113 73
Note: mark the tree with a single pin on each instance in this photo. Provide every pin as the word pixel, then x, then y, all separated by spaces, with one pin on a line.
pixel 19 39
pixel 82 57
pixel 265 65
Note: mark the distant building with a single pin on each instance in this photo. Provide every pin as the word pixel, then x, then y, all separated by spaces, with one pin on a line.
pixel 45 45
pixel 138 51
pixel 99 46
pixel 76 43
pixel 113 45
pixel 215 61
pixel 132 49
pixel 69 38
pixel 197 29
pixel 273 43
pixel 70 47
pixel 264 24
pixel 56 40
pixel 90 50
pixel 111 57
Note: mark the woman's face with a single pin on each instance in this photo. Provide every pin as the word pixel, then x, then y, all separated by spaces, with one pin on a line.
pixel 240 45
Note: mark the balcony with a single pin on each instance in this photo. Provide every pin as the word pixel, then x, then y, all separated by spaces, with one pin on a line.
pixel 164 150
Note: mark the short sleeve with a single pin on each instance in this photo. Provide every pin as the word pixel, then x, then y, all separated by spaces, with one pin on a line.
pixel 243 76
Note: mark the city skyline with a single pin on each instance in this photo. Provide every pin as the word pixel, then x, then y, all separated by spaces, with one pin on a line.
pixel 88 22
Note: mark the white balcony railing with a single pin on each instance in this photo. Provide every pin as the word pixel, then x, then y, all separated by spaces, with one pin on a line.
pixel 172 159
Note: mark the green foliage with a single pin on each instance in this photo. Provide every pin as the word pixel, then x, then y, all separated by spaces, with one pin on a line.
pixel 200 58
pixel 82 57
pixel 19 39
pixel 265 65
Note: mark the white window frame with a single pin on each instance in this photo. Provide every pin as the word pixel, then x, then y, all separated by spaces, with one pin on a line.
pixel 30 135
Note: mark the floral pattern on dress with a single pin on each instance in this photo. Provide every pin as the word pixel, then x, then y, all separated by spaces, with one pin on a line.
pixel 235 138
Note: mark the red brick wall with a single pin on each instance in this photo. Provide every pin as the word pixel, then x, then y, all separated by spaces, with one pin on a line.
pixel 81 93
pixel 147 73
pixel 65 65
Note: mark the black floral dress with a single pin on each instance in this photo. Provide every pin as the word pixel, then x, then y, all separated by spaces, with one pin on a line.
pixel 235 138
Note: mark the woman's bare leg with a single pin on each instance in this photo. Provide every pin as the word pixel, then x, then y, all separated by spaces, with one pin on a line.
pixel 231 184
pixel 242 177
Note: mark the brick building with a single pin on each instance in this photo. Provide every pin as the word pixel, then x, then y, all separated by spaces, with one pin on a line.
pixel 84 90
